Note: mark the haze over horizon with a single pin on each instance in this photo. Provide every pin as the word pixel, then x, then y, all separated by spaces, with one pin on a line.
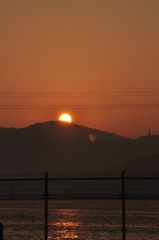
pixel 97 60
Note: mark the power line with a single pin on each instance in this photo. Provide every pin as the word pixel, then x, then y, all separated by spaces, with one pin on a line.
pixel 79 65
pixel 78 94
pixel 97 107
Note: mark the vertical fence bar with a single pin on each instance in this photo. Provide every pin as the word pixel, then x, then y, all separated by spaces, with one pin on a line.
pixel 46 205
pixel 123 206
pixel 1 231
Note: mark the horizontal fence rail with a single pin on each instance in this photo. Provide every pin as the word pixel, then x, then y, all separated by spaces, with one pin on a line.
pixel 123 187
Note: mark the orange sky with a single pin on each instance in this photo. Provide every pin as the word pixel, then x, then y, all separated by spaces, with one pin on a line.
pixel 85 52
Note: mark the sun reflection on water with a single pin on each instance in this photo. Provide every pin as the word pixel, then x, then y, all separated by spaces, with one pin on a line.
pixel 67 224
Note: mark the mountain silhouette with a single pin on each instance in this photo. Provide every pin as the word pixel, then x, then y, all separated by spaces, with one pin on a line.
pixel 62 147
pixel 149 164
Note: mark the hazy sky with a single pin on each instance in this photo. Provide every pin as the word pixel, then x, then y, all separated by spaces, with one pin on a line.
pixel 88 53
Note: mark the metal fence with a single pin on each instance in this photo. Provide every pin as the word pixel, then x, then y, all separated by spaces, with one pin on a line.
pixel 112 206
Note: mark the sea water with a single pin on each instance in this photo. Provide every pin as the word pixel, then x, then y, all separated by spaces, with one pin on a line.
pixel 80 219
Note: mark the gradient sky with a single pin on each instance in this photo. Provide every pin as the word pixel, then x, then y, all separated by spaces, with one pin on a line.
pixel 90 53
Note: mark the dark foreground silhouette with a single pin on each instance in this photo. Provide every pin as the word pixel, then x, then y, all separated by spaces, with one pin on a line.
pixel 69 148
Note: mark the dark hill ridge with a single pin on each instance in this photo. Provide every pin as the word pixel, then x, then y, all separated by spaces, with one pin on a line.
pixel 150 164
pixel 151 145
pixel 64 147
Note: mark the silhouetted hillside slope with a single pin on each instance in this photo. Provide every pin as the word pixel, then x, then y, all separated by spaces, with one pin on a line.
pixel 148 164
pixel 63 147
pixel 149 145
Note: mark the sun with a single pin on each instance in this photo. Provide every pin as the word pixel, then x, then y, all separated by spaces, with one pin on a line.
pixel 65 117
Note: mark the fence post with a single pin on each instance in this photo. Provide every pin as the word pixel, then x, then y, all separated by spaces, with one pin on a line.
pixel 46 205
pixel 123 206
pixel 1 231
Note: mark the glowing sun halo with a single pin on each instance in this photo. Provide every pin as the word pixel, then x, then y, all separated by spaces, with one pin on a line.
pixel 65 117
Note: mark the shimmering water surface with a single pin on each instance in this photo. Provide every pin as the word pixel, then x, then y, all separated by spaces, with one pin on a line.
pixel 80 219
